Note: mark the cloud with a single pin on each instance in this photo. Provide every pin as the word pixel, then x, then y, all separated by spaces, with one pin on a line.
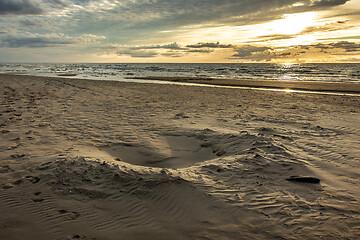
pixel 150 51
pixel 210 45
pixel 245 52
pixel 272 37
pixel 200 50
pixel 140 19
pixel 250 51
pixel 172 54
pixel 126 21
pixel 35 41
pixel 350 60
pixel 325 28
pixel 348 47
pixel 88 39
pixel 329 3
pixel 28 23
pixel 173 46
pixel 344 14
pixel 58 3
pixel 136 53
pixel 315 52
pixel 37 23
pixel 329 27
pixel 31 7
pixel 168 50
pixel 29 40
pixel 20 7
pixel 165 27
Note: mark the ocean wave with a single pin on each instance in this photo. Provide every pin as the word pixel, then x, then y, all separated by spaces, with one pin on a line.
pixel 261 71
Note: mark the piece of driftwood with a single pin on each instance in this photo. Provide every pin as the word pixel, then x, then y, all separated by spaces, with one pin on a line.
pixel 306 179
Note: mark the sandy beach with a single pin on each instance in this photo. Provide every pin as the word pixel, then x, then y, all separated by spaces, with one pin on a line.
pixel 83 159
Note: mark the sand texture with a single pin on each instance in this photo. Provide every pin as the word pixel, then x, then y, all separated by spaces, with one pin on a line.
pixel 84 159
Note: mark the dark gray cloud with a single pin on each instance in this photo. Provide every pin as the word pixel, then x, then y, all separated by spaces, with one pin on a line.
pixel 172 50
pixel 128 20
pixel 138 19
pixel 20 7
pixel 272 37
pixel 245 51
pixel 210 45
pixel 248 51
pixel 31 23
pixel 344 45
pixel 168 50
pixel 28 23
pixel 201 11
pixel 329 3
pixel 200 50
pixel 82 2
pixel 28 40
pixel 58 3
pixel 31 7
pixel 174 46
pixel 334 48
pixel 186 12
pixel 33 41
pixel 255 53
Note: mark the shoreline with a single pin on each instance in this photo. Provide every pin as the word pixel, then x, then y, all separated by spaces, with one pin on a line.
pixel 331 87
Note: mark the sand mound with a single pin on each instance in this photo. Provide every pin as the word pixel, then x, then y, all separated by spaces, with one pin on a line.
pixel 83 198
pixel 164 152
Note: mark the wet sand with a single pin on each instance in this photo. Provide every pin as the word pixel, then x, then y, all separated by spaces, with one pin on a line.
pixel 335 87
pixel 84 159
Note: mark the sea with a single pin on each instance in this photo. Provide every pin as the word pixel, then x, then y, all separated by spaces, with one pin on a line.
pixel 323 72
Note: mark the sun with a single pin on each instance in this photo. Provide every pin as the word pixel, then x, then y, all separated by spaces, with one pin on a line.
pixel 292 23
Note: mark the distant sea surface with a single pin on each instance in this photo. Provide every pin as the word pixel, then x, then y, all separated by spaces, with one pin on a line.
pixel 327 72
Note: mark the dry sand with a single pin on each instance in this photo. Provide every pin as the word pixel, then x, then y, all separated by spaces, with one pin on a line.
pixel 85 159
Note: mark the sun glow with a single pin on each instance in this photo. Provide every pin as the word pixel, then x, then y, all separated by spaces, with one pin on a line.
pixel 292 23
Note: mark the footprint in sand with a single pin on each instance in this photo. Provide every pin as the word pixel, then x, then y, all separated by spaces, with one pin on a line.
pixel 7 186
pixel 5 169
pixel 77 236
pixel 72 215
pixel 17 182
pixel 44 166
pixel 32 179
pixel 17 156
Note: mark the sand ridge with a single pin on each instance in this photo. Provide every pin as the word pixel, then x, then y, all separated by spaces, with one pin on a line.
pixel 67 167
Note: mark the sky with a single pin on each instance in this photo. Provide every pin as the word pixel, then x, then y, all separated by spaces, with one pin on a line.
pixel 229 31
